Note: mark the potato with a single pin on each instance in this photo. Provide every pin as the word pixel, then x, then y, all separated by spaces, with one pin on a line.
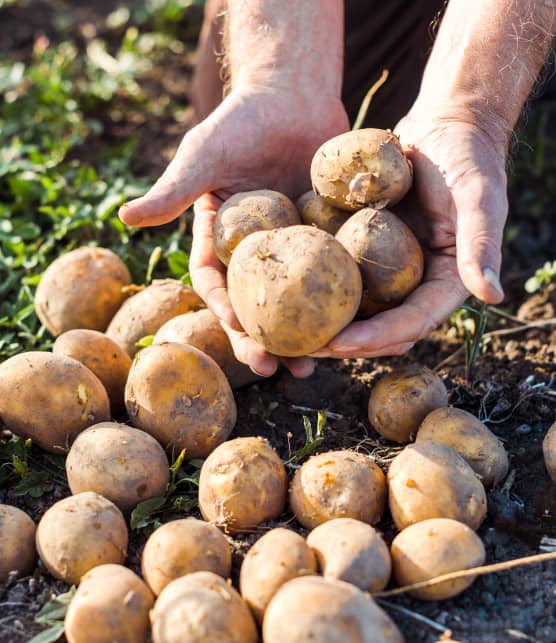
pixel 201 608
pixel 17 543
pixel 401 400
pixel 111 604
pixel 467 435
pixel 121 463
pixel 79 533
pixel 293 289
pixel 352 551
pixel 274 559
pixel 182 547
pixel 242 483
pixel 430 480
pixel 247 212
pixel 50 399
pixel 100 355
pixel 181 397
pixel 338 484
pixel 549 451
pixel 432 548
pixel 314 210
pixel 311 608
pixel 144 313
pixel 81 289
pixel 388 255
pixel 360 168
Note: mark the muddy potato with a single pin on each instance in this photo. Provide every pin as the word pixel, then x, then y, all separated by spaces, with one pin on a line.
pixel 111 604
pixel 17 543
pixel 293 289
pixel 314 210
pixel 401 400
pixel 549 451
pixel 432 548
pixel 242 484
pixel 50 399
pixel 79 533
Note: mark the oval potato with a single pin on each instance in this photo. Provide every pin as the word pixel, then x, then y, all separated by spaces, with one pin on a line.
pixel 17 543
pixel 314 210
pixel 549 451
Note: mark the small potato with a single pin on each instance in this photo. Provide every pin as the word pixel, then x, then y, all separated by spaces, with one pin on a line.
pixel 432 548
pixel 181 397
pixel 352 551
pixel 362 167
pixel 79 533
pixel 467 435
pixel 50 399
pixel 274 559
pixel 17 543
pixel 430 480
pixel 549 451
pixel 182 547
pixel 338 484
pixel 201 608
pixel 401 400
pixel 242 483
pixel 314 210
pixel 111 604
pixel 120 463
pixel 247 212
pixel 81 289
pixel 316 609
pixel 144 313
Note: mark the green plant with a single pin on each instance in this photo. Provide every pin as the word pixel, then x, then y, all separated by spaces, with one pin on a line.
pixel 542 278
pixel 313 439
pixel 52 614
pixel 471 323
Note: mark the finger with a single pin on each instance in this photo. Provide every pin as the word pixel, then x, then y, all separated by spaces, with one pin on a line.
pixel 300 367
pixel 249 352
pixel 387 351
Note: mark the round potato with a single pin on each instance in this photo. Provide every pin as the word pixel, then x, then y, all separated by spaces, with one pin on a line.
pixel 352 551
pixel 79 533
pixel 242 483
pixel 118 462
pixel 182 547
pixel 81 289
pixel 50 399
pixel 314 210
pixel 432 548
pixel 274 559
pixel 293 289
pixel 549 451
pixel 111 604
pixel 181 397
pixel 467 435
pixel 17 543
pixel 401 400
pixel 338 484
pixel 362 167
pixel 430 480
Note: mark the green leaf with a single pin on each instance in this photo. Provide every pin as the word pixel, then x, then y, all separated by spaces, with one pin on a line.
pixel 142 515
pixel 53 633
pixel 145 341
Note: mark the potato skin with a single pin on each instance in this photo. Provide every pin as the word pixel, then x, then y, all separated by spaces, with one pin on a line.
pixel 274 559
pixel 120 463
pixel 430 480
pixel 182 547
pixel 338 484
pixel 181 397
pixel 50 399
pixel 401 400
pixel 81 289
pixel 242 484
pixel 549 451
pixel 79 533
pixel 314 210
pixel 17 542
pixel 293 289
pixel 432 548
pixel 111 604
pixel 467 435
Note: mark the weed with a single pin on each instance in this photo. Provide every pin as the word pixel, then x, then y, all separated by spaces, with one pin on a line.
pixel 542 278
pixel 472 323
pixel 313 439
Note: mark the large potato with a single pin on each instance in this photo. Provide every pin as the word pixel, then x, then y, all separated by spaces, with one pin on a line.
pixel 360 168
pixel 549 451
pixel 81 289
pixel 50 399
pixel 111 604
pixel 293 289
pixel 121 463
pixel 181 397
pixel 401 400
pixel 274 559
pixel 79 533
pixel 314 210
pixel 242 483
pixel 430 480
pixel 467 435
pixel 17 542
pixel 338 484
pixel 432 548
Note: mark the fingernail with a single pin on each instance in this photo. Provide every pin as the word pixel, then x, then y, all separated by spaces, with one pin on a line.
pixel 491 278
pixel 261 374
